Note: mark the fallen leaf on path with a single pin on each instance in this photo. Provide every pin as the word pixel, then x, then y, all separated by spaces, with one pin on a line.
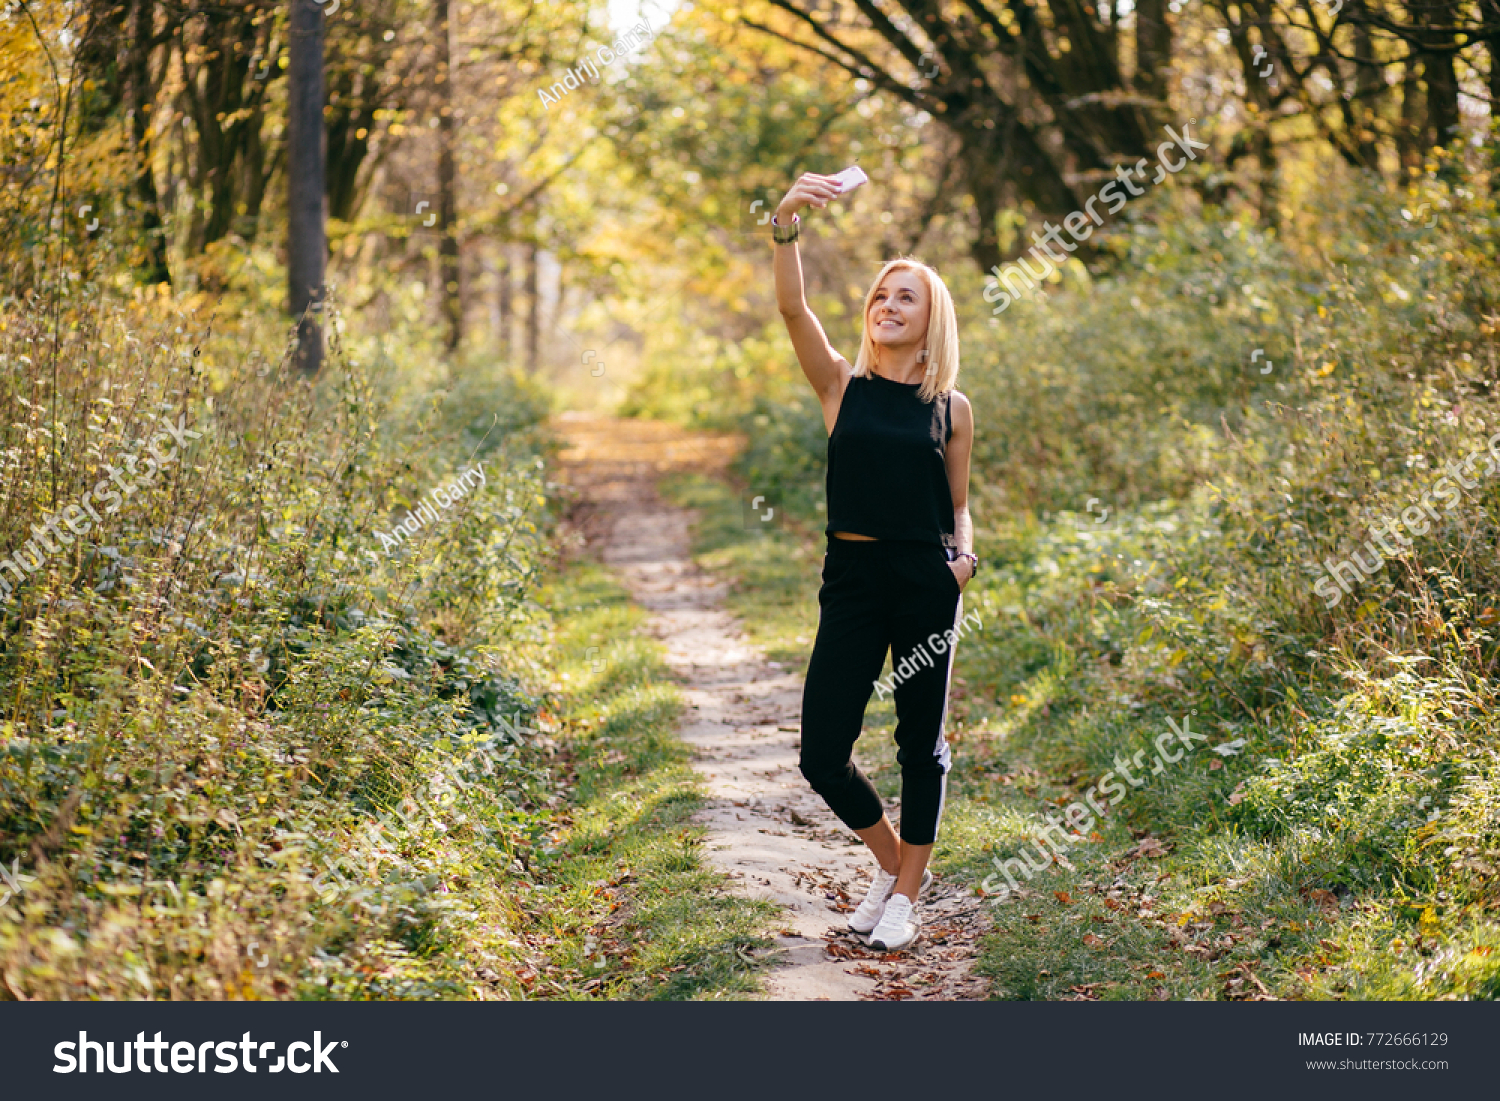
pixel 1063 897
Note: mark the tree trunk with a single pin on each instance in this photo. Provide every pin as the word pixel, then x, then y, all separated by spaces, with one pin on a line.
pixel 307 240
pixel 143 20
pixel 985 187
pixel 1442 80
pixel 506 303
pixel 1270 193
pixel 1153 48
pixel 533 312
pixel 1000 166
pixel 1409 147
pixel 1370 94
pixel 253 178
pixel 448 270
pixel 1491 13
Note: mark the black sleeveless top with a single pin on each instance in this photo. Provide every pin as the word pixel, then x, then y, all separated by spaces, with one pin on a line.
pixel 886 473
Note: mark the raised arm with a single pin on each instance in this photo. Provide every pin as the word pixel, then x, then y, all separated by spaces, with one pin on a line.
pixel 825 369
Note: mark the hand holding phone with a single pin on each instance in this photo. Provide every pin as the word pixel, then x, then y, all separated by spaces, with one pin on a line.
pixel 850 178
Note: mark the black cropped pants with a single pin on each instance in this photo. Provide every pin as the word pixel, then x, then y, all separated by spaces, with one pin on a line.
pixel 877 598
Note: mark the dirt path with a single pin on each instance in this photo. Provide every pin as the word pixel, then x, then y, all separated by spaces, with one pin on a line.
pixel 767 831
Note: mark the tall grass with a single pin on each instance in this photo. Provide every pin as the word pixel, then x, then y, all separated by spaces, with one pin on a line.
pixel 233 723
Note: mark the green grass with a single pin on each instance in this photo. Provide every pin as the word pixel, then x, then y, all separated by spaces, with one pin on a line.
pixel 625 906
pixel 1044 696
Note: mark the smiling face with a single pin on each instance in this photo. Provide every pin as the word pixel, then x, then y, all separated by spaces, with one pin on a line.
pixel 899 310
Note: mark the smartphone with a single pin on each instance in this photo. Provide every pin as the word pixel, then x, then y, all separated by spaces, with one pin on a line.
pixel 850 178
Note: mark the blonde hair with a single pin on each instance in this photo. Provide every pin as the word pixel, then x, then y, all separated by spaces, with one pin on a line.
pixel 942 330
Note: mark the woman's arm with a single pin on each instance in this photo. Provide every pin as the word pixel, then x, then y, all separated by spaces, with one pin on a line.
pixel 825 369
pixel 957 460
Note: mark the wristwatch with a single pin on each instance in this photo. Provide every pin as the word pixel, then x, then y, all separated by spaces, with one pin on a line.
pixel 973 562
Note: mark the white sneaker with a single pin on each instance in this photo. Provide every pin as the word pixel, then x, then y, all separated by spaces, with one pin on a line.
pixel 867 915
pixel 899 925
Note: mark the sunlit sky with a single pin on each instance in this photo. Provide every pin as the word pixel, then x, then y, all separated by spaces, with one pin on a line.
pixel 624 14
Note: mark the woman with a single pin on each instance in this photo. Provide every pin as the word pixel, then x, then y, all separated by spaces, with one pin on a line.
pixel 900 551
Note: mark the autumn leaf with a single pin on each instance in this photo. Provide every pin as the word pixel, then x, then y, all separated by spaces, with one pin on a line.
pixel 1325 900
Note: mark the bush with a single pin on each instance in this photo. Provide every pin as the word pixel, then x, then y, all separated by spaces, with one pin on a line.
pixel 243 735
